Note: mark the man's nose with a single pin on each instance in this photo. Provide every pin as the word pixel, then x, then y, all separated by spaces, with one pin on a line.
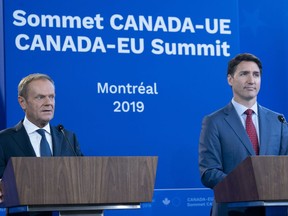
pixel 251 78
pixel 49 100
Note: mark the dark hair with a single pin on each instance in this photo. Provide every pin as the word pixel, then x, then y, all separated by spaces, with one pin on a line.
pixel 233 63
pixel 23 85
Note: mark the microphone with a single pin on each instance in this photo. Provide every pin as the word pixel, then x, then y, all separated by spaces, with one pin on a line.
pixel 61 129
pixel 282 119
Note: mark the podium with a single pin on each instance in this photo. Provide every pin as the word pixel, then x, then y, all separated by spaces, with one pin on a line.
pixel 78 185
pixel 258 181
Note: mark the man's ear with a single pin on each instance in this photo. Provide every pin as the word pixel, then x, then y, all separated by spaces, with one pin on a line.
pixel 230 79
pixel 22 102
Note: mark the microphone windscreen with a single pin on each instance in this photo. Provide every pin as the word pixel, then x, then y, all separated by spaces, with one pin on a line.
pixel 60 127
pixel 281 118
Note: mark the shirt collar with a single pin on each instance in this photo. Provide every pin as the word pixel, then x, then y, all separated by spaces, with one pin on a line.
pixel 31 128
pixel 240 109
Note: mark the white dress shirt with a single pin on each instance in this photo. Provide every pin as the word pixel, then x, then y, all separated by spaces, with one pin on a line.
pixel 35 137
pixel 240 109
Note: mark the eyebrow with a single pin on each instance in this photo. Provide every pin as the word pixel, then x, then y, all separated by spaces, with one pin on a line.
pixel 249 71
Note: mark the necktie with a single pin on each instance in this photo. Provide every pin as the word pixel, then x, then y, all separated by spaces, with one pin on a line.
pixel 251 130
pixel 44 145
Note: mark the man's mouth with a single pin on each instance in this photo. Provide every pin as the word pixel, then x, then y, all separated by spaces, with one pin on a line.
pixel 250 88
pixel 47 111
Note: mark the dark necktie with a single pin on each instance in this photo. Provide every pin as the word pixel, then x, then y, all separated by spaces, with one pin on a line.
pixel 44 145
pixel 251 131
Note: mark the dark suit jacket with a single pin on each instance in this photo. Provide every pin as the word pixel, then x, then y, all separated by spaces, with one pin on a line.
pixel 15 142
pixel 224 142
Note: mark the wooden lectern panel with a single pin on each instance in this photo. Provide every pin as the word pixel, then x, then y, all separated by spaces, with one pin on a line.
pixel 257 178
pixel 78 180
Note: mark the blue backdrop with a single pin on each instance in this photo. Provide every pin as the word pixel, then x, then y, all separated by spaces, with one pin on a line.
pixel 136 78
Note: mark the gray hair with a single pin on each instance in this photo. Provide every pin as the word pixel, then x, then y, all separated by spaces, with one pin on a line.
pixel 24 83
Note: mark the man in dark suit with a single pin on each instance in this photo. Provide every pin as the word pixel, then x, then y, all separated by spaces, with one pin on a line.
pixel 36 96
pixel 224 142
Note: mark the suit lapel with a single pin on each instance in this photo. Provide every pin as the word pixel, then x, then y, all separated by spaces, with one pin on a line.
pixel 22 140
pixel 233 120
pixel 264 129
pixel 57 139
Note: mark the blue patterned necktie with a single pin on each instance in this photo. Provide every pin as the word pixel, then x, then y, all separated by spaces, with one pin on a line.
pixel 44 145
